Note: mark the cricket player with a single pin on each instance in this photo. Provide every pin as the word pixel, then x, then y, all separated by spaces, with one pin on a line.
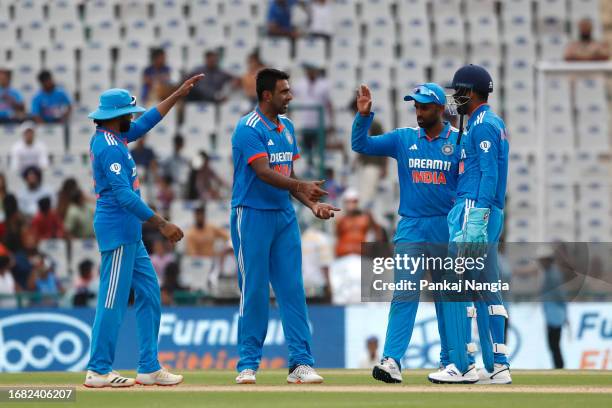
pixel 475 226
pixel 265 232
pixel 427 164
pixel 117 223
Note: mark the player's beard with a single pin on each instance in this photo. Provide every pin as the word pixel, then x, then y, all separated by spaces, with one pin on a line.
pixel 124 124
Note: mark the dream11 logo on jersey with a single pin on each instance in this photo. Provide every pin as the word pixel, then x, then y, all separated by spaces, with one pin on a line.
pixel 43 342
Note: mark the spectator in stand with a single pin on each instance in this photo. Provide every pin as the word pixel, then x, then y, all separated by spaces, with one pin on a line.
pixel 320 19
pixel 14 224
pixel 247 81
pixel 12 108
pixel 8 286
pixel 317 256
pixel 46 224
pixel 353 228
pixel 171 284
pixel 200 240
pixel 43 282
pixel 28 151
pixel 3 194
pixel 85 287
pixel 51 104
pixel 204 182
pixel 165 194
pixel 156 78
pixel 586 48
pixel 211 90
pixel 64 196
pixel 33 191
pixel 333 187
pixel 372 356
pixel 24 257
pixel 144 157
pixel 78 222
pixel 312 91
pixel 177 165
pixel 161 257
pixel 279 19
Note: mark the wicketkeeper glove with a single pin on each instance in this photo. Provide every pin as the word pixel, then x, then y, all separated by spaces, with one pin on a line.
pixel 472 239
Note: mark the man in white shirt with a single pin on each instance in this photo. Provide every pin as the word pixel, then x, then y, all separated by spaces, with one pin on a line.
pixel 33 191
pixel 28 151
pixel 317 255
pixel 311 91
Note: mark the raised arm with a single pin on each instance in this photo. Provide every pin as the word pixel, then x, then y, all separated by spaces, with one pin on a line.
pixel 152 117
pixel 383 145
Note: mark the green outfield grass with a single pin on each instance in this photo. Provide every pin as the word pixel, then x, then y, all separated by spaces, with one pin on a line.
pixel 342 388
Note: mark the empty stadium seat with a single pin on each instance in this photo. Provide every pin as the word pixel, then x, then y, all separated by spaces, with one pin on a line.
pixel 234 10
pixel 375 9
pixel 200 10
pixel 174 31
pixel 274 49
pixel 69 34
pixel 347 27
pixel 168 10
pixel 100 10
pixel 310 50
pixel 80 135
pixel 105 32
pixel 63 11
pixel 133 10
pixel 195 272
pixel 83 250
pixel 28 10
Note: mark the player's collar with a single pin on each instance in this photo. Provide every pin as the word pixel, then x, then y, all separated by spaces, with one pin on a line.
pixel 480 108
pixel 444 134
pixel 268 123
pixel 112 132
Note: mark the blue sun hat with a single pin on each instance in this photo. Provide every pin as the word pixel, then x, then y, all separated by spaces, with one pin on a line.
pixel 427 93
pixel 114 103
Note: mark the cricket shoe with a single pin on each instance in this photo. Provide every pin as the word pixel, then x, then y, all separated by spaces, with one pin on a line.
pixel 500 375
pixel 451 375
pixel 246 376
pixel 160 377
pixel 304 374
pixel 387 371
pixel 112 379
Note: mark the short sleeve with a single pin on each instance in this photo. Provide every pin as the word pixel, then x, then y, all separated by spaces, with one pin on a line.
pixel 249 143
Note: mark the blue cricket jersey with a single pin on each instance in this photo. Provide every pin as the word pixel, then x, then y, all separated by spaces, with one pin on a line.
pixel 119 209
pixel 427 168
pixel 483 169
pixel 50 106
pixel 256 136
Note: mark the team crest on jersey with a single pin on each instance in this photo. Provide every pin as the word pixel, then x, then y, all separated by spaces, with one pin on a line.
pixel 448 149
pixel 485 145
pixel 115 168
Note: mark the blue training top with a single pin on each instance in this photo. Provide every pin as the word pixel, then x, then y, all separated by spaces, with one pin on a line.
pixel 483 169
pixel 119 209
pixel 427 168
pixel 254 137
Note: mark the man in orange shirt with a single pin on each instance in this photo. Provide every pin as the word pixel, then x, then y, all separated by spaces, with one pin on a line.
pixel 201 238
pixel 353 228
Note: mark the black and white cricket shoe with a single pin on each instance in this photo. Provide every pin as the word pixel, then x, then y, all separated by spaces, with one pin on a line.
pixel 451 375
pixel 387 371
pixel 500 375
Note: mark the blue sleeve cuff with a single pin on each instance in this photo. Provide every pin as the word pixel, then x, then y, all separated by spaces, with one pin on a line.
pixel 361 120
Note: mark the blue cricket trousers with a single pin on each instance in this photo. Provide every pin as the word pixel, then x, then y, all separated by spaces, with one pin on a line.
pixel 494 325
pixel 415 237
pixel 268 249
pixel 127 267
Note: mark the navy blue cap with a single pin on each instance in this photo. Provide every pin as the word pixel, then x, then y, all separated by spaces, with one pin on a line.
pixel 473 77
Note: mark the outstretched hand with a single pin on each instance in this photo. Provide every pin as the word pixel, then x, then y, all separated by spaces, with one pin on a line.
pixel 364 100
pixel 186 87
pixel 324 211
